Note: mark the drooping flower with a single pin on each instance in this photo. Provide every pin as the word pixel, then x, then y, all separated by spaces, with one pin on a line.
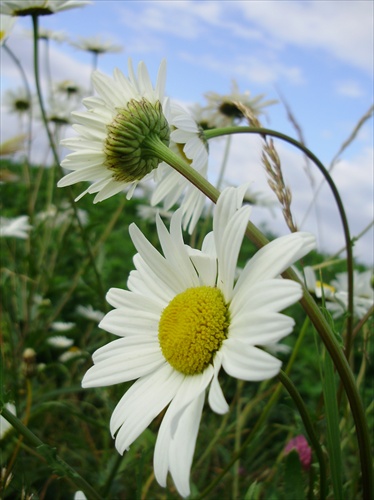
pixel 222 110
pixel 118 137
pixel 182 319
pixel 38 7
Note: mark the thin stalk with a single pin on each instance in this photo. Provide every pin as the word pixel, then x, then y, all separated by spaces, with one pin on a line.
pixel 35 21
pixel 57 464
pixel 28 92
pixel 209 134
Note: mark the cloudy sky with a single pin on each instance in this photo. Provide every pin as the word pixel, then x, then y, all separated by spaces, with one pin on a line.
pixel 316 55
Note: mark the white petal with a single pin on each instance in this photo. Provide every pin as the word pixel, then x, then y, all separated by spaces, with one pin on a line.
pixel 216 398
pixel 117 297
pixel 130 363
pixel 247 362
pixel 142 403
pixel 260 327
pixel 191 388
pixel 127 345
pixel 161 268
pixel 182 446
pixel 271 295
pixel 271 260
pixel 119 322
pixel 228 247
pixel 174 249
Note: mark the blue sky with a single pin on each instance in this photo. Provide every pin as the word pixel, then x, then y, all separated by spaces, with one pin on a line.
pixel 318 54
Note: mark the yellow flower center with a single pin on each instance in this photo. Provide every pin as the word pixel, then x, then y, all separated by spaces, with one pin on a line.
pixel 192 328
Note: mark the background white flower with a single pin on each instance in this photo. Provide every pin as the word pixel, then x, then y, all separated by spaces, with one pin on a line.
pixel 17 227
pixel 182 319
pixel 40 7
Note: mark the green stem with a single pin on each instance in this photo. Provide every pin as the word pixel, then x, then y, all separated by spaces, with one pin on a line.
pixel 308 303
pixel 293 392
pixel 209 134
pixel 35 21
pixel 28 93
pixel 57 464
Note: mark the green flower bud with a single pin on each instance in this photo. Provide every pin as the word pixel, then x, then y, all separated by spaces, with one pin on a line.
pixel 128 145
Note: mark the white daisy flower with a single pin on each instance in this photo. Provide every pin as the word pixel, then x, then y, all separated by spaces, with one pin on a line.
pixel 118 138
pixel 183 319
pixel 6 26
pixel 222 110
pixel 188 140
pixel 72 353
pixel 60 342
pixel 314 285
pixel 62 326
pixel 96 45
pixel 38 7
pixel 363 294
pixel 90 313
pixel 17 227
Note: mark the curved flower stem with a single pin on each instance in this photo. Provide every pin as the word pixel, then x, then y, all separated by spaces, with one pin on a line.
pixel 59 466
pixel 310 307
pixel 35 21
pixel 209 134
pixel 293 392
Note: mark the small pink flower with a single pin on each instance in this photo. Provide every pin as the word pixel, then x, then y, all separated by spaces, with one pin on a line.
pixel 300 444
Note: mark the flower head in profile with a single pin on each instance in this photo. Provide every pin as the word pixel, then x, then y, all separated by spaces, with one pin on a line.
pixel 222 110
pixel 38 7
pixel 182 319
pixel 120 136
pixel 96 45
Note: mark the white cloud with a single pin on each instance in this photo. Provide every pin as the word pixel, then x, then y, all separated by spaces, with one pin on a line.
pixel 349 88
pixel 354 180
pixel 343 29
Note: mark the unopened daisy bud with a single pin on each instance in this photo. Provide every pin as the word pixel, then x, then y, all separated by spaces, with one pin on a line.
pixel 128 145
pixel 29 362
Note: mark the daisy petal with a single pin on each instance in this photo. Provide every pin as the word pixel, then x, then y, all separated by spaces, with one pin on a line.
pixel 246 362
pixel 216 398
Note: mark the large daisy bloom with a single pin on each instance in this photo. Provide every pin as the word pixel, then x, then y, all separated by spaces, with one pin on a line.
pixel 182 319
pixel 119 135
pixel 38 7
